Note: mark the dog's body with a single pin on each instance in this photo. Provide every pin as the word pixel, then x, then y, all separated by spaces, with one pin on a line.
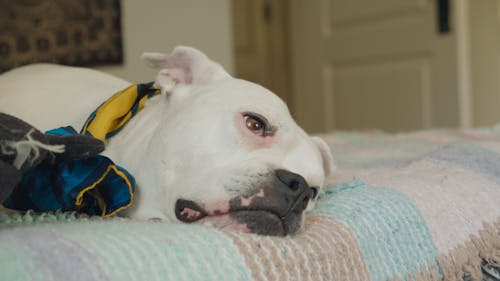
pixel 210 148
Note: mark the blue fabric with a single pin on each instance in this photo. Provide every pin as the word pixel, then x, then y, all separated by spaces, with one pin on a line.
pixel 51 187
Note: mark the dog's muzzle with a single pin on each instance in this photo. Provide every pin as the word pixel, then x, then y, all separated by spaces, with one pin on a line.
pixel 275 208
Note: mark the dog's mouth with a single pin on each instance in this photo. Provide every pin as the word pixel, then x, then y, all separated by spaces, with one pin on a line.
pixel 190 212
pixel 250 221
pixel 245 219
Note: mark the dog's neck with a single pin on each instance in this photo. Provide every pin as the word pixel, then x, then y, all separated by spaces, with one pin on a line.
pixel 129 146
pixel 129 149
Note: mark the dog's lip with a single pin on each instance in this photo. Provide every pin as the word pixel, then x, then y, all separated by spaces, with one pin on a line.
pixel 189 211
pixel 227 221
pixel 233 218
pixel 256 210
pixel 224 222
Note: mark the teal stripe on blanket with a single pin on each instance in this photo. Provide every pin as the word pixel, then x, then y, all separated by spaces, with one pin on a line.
pixel 118 249
pixel 391 231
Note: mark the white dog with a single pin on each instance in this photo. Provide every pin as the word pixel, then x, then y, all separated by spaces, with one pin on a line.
pixel 210 148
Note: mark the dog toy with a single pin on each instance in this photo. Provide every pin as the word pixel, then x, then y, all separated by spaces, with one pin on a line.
pixel 59 170
pixel 23 147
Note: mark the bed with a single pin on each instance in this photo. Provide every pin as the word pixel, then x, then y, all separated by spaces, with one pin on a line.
pixel 414 206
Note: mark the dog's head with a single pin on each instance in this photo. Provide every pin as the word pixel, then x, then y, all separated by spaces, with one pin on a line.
pixel 226 151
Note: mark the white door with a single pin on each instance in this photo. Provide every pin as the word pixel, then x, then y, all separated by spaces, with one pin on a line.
pixel 382 64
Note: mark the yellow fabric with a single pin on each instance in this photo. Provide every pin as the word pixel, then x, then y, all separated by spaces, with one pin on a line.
pixel 113 113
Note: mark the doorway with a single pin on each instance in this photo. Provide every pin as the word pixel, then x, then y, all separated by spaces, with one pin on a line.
pixel 261 34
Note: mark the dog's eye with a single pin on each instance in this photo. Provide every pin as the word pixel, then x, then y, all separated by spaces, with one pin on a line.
pixel 256 125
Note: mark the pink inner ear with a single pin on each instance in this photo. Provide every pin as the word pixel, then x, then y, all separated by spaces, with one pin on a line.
pixel 179 68
pixel 187 65
pixel 178 75
pixel 188 77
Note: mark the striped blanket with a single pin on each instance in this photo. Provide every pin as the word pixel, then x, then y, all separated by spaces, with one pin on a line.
pixel 419 206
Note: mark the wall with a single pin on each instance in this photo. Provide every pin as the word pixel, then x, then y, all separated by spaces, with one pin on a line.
pixel 160 25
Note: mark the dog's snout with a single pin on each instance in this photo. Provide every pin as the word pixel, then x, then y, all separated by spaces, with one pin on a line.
pixel 275 207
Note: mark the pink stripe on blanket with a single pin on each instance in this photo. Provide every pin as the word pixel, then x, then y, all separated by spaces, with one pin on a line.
pixel 324 249
pixel 454 201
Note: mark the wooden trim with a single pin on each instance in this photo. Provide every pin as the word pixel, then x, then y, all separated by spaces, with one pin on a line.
pixel 307 89
pixel 461 12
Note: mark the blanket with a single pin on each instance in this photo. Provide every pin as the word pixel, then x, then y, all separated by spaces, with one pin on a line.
pixel 418 206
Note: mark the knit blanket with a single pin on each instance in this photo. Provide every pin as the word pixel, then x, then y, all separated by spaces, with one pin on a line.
pixel 418 206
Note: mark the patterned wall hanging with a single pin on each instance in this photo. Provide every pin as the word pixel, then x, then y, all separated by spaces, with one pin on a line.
pixel 72 32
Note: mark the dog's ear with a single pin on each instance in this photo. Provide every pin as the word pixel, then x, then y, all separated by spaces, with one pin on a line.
pixel 184 65
pixel 326 155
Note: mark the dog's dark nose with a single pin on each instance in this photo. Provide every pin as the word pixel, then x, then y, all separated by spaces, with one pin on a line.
pixel 297 191
pixel 294 182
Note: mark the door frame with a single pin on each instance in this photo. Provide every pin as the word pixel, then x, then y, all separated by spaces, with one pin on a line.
pixel 310 105
pixel 271 26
